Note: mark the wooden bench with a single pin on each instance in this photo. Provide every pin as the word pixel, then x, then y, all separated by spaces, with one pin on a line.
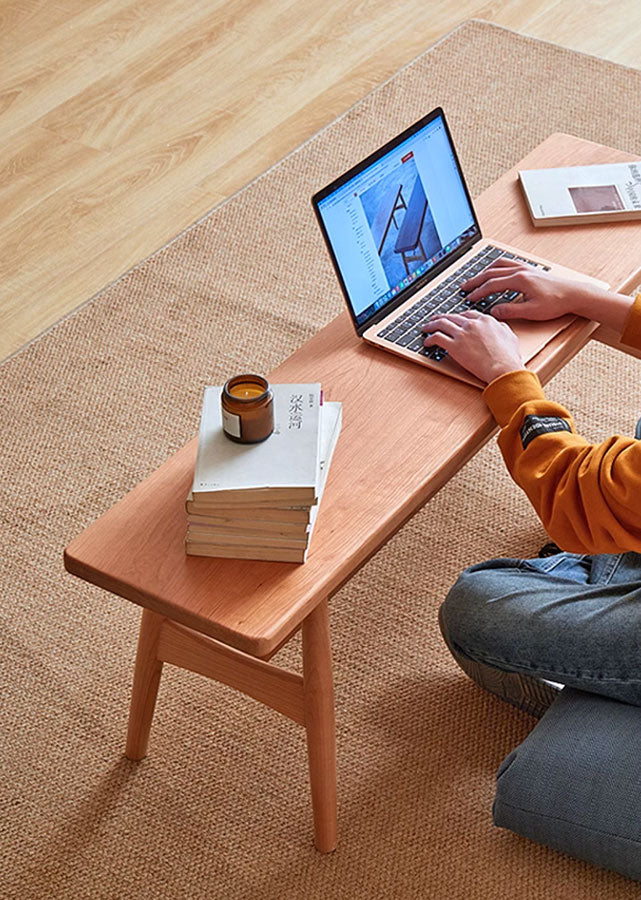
pixel 406 431
pixel 409 235
pixel 392 202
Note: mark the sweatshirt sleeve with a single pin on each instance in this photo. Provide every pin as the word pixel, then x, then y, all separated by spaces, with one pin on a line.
pixel 588 496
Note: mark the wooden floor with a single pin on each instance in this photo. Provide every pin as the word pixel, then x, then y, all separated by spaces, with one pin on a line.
pixel 122 121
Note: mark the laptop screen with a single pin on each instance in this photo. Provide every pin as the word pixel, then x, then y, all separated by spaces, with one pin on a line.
pixel 395 219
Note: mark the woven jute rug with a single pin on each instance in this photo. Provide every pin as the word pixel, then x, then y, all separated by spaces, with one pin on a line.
pixel 221 808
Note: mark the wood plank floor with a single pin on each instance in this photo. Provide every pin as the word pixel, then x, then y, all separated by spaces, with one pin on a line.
pixel 122 121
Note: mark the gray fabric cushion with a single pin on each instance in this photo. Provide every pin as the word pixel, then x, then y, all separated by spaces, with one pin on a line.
pixel 575 782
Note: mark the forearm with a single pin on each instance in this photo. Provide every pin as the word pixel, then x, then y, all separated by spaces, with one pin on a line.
pixel 600 305
pixel 585 494
pixel 545 296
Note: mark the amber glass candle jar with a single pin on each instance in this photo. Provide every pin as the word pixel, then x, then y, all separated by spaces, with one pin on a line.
pixel 247 404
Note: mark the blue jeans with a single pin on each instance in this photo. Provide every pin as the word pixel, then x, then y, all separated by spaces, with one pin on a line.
pixel 571 619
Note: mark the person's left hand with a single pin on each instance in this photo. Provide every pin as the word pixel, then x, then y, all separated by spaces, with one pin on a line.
pixel 480 343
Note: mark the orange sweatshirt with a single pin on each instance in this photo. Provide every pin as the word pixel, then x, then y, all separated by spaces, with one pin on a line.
pixel 588 496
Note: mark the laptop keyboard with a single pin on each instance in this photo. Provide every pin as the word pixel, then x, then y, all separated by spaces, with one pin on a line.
pixel 405 331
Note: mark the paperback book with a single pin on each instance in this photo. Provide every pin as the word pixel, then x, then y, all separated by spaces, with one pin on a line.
pixel 573 195
pixel 260 501
pixel 283 469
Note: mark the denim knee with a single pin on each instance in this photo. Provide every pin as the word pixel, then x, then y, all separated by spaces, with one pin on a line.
pixel 464 605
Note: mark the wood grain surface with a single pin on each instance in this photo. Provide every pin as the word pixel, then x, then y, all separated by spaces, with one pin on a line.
pixel 379 476
pixel 122 122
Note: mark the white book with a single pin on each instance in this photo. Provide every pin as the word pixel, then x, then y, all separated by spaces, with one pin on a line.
pixel 283 467
pixel 574 195
pixel 255 547
pixel 271 554
pixel 224 539
pixel 247 526
pixel 331 428
pixel 263 511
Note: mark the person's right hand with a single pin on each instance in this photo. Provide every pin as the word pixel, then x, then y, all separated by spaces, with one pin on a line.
pixel 543 296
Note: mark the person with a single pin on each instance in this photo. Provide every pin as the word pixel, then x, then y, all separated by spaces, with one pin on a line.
pixel 524 628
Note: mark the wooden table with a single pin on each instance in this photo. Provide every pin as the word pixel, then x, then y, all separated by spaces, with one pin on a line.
pixel 225 618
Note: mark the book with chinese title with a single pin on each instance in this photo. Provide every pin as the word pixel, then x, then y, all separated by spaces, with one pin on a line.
pixel 282 468
pixel 271 511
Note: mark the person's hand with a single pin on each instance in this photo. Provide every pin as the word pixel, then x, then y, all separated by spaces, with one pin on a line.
pixel 477 342
pixel 547 296
pixel 543 296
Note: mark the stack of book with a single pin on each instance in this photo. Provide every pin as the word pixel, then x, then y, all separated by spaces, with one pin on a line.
pixel 260 501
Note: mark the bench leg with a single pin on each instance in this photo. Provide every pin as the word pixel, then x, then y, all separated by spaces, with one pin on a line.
pixel 145 688
pixel 309 700
pixel 318 689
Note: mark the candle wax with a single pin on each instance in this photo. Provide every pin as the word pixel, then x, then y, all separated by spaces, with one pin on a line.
pixel 245 391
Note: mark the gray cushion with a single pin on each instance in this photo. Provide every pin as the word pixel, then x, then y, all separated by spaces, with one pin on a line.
pixel 575 782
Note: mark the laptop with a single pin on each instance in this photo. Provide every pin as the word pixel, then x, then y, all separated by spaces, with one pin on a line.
pixel 402 234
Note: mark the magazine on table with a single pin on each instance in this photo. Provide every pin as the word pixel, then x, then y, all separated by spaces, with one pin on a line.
pixel 573 195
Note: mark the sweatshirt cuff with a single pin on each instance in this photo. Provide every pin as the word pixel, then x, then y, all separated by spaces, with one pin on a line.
pixel 631 334
pixel 506 393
